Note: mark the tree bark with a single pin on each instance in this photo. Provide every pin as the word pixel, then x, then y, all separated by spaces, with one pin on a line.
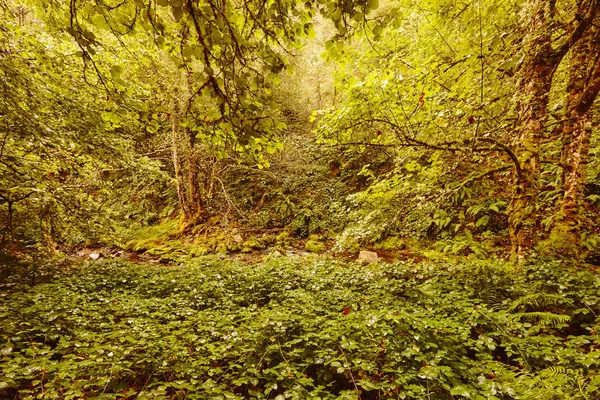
pixel 541 60
pixel 584 72
pixel 534 86
pixel 186 165
pixel 179 178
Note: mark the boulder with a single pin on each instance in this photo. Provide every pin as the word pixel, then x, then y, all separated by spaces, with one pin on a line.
pixel 366 257
pixel 238 239
pixel 314 246
pixel 95 255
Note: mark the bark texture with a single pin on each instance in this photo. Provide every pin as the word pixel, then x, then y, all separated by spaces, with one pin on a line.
pixel 583 88
pixel 534 86
pixel 186 165
pixel 542 57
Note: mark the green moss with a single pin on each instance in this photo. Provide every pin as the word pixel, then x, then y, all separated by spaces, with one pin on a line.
pixel 283 239
pixel 222 248
pixel 314 246
pixel 390 244
pixel 253 244
pixel 268 239
pixel 199 251
pixel 561 242
pixel 232 245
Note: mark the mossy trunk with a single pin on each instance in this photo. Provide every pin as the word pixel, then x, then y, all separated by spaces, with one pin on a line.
pixel 565 236
pixel 187 170
pixel 534 86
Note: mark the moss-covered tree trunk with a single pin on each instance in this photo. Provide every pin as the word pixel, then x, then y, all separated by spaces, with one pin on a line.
pixel 186 165
pixel 583 87
pixel 541 60
pixel 532 101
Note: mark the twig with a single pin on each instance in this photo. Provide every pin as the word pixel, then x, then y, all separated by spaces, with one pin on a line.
pixel 350 369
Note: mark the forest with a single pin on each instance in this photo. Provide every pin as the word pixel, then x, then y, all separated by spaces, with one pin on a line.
pixel 284 199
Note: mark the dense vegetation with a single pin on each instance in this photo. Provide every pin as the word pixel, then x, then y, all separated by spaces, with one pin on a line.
pixel 185 186
pixel 305 329
pixel 465 127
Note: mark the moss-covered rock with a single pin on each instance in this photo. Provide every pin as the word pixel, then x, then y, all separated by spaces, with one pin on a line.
pixel 268 239
pixel 222 248
pixel 254 244
pixel 283 239
pixel 199 251
pixel 314 246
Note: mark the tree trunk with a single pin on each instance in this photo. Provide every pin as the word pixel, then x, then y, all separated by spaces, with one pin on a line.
pixel 537 70
pixel 186 166
pixel 534 86
pixel 179 178
pixel 565 236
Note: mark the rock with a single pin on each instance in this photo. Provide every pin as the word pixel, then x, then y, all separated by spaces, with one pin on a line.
pixel 253 244
pixel 314 247
pixel 276 253
pixel 95 256
pixel 268 239
pixel 238 239
pixel 366 257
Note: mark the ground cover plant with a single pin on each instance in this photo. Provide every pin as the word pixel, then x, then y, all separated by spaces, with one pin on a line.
pixel 303 328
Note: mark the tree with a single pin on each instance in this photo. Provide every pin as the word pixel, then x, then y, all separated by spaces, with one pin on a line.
pixel 575 133
pixel 469 64
pixel 60 182
pixel 542 56
pixel 234 52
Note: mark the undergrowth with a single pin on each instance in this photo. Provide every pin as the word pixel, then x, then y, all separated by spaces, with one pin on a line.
pixel 309 328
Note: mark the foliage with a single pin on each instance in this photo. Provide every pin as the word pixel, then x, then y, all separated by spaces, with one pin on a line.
pixel 304 328
pixel 441 83
pixel 60 182
pixel 297 193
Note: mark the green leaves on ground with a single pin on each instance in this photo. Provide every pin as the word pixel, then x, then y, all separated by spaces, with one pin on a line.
pixel 299 329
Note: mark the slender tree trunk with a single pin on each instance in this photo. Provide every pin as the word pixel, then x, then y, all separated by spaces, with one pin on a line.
pixel 565 236
pixel 10 223
pixel 534 86
pixel 179 178
pixel 196 197
pixel 187 171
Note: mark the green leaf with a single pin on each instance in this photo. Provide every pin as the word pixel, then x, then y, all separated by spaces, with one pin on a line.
pixel 177 13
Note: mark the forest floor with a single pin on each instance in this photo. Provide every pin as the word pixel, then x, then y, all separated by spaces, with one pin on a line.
pixel 301 326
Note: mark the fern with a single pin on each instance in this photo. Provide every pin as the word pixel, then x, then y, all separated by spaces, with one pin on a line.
pixel 553 371
pixel 539 301
pixel 492 299
pixel 546 318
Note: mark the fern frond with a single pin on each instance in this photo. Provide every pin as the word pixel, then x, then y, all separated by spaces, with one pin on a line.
pixel 539 300
pixel 551 372
pixel 546 318
pixel 492 299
